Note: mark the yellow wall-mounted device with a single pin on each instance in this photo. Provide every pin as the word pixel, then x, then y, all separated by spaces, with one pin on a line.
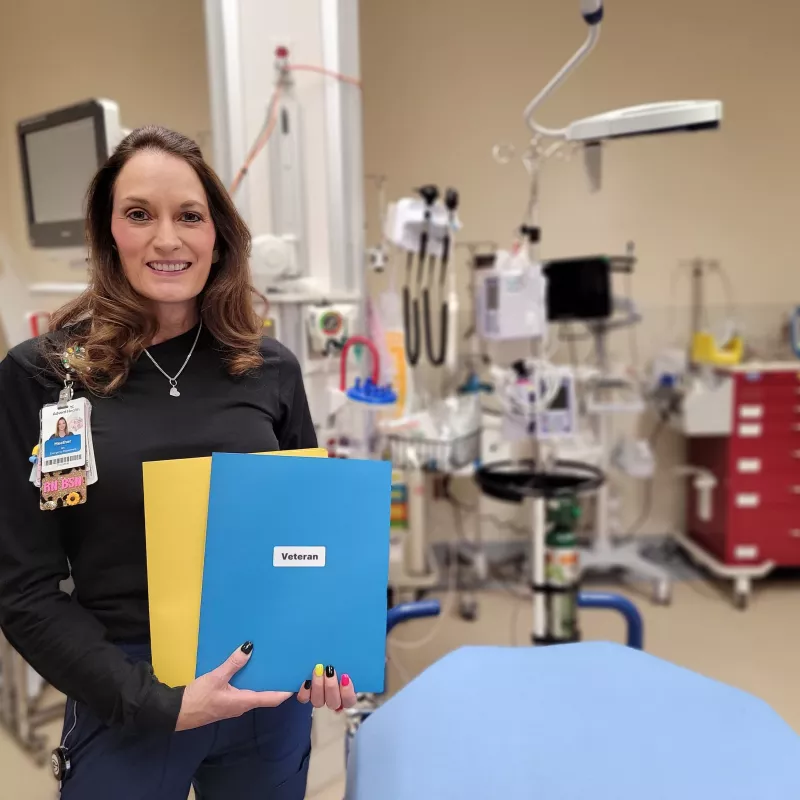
pixel 706 351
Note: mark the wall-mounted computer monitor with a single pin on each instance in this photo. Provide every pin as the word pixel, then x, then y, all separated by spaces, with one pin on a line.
pixel 578 289
pixel 59 152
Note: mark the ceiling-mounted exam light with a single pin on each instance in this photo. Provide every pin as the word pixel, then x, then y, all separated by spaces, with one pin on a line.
pixel 652 118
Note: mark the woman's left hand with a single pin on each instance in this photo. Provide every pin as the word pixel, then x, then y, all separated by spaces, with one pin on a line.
pixel 325 688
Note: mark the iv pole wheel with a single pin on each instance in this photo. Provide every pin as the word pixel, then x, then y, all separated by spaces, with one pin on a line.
pixel 468 607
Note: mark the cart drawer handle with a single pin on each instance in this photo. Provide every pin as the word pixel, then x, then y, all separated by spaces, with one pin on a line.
pixel 795 534
pixel 795 453
pixel 796 427
pixel 794 489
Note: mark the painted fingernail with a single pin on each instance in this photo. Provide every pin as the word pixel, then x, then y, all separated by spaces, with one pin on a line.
pixel 340 709
pixel 318 670
pixel 247 648
pixel 345 680
pixel 307 684
pixel 329 671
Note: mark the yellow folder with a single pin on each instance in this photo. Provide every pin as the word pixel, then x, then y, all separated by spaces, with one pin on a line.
pixel 176 505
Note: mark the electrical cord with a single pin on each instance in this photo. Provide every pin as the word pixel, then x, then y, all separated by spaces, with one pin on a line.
pixel 443 614
pixel 500 523
pixel 394 662
pixel 647 505
pixel 512 587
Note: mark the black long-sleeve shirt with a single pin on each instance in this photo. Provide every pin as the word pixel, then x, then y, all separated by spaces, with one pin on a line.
pixel 70 640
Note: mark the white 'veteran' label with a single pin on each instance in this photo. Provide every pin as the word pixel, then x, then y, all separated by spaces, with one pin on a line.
pixel 298 557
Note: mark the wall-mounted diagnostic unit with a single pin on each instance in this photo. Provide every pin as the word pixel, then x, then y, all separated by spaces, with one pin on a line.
pixel 329 327
pixel 60 151
pixel 509 299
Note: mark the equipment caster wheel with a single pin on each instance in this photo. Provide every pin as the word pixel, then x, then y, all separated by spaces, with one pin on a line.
pixel 741 593
pixel 468 609
pixel 662 593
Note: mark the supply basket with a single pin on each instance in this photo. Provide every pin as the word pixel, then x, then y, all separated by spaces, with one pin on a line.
pixel 435 455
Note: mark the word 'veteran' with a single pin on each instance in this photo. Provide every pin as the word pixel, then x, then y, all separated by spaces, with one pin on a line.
pixel 299 557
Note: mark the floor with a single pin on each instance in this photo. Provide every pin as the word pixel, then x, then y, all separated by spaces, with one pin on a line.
pixel 757 650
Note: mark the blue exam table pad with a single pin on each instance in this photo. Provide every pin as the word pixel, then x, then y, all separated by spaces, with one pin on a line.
pixel 588 721
pixel 296 561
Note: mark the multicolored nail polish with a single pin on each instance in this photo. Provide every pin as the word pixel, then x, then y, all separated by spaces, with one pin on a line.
pixel 307 684
pixel 329 671
pixel 318 670
pixel 345 680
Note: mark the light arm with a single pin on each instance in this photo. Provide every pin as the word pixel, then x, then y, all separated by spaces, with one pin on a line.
pixel 592 11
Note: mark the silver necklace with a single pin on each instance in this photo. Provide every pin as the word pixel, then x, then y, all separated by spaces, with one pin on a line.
pixel 173 381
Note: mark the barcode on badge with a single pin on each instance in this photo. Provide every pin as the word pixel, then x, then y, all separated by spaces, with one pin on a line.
pixel 60 462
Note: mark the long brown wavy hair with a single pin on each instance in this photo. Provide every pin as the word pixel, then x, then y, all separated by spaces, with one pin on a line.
pixel 109 325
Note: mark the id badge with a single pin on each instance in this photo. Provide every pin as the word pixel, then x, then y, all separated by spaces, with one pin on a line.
pixel 64 446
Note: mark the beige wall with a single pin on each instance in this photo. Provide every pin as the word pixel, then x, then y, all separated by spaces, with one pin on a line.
pixel 147 55
pixel 445 80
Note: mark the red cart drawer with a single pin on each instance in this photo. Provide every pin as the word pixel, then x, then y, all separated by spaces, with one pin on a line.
pixel 767 458
pixel 783 406
pixel 759 435
pixel 767 379
pixel 766 535
pixel 784 550
pixel 759 492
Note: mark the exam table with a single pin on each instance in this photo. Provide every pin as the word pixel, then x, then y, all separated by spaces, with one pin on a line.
pixel 571 722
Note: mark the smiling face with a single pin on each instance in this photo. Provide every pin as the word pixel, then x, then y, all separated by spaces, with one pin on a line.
pixel 162 228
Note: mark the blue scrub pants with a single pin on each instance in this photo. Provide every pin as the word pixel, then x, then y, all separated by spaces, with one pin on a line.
pixel 262 755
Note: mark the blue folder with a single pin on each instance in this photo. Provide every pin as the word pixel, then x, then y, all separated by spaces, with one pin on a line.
pixel 296 561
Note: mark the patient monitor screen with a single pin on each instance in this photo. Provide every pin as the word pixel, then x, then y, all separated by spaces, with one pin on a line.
pixel 61 163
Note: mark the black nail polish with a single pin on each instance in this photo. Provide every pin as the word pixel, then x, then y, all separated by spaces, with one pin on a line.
pixel 307 684
pixel 247 648
pixel 329 671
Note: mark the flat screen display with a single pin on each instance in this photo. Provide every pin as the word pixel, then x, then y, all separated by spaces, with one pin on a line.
pixel 61 163
pixel 578 289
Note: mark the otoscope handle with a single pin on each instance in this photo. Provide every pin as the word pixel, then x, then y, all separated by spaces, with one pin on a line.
pixel 451 199
pixel 430 194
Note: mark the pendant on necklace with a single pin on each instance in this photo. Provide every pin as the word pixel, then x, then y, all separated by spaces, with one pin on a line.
pixel 174 392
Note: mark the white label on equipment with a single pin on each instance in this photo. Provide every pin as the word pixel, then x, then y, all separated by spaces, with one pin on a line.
pixel 747 466
pixel 298 557
pixel 749 431
pixel 751 412
pixel 747 552
pixel 747 500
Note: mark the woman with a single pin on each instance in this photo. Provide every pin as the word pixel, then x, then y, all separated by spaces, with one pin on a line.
pixel 165 335
pixel 61 429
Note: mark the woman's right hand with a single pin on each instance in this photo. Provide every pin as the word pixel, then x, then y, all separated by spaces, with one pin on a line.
pixel 211 698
